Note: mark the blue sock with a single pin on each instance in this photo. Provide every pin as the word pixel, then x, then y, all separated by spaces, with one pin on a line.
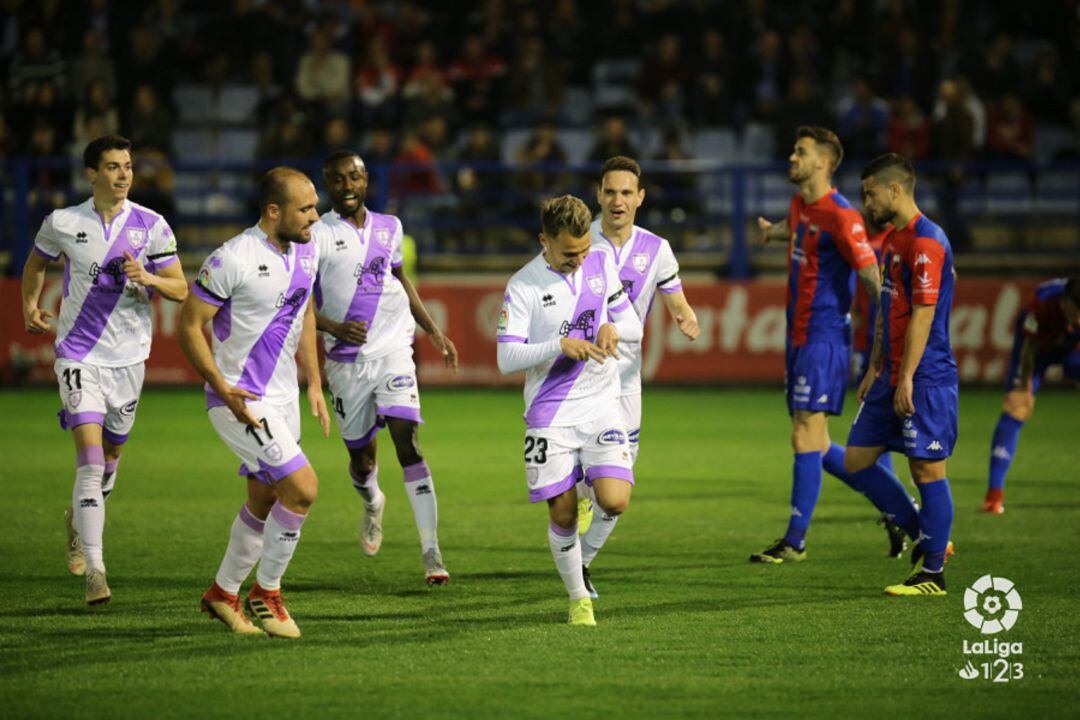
pixel 805 488
pixel 889 496
pixel 1003 448
pixel 936 521
pixel 833 462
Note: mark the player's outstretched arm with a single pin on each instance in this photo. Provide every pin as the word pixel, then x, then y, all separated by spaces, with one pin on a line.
pixel 168 280
pixel 423 318
pixel 308 357
pixel 350 331
pixel 772 232
pixel 195 313
pixel 918 332
pixel 35 319
pixel 684 316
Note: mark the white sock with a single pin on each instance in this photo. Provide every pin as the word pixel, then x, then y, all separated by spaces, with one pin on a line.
pixel 88 504
pixel 597 534
pixel 245 547
pixel 421 491
pixel 567 553
pixel 280 538
pixel 367 486
pixel 108 481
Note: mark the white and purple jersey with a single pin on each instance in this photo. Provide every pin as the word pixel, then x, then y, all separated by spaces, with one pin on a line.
pixel 645 264
pixel 356 283
pixel 104 319
pixel 261 295
pixel 542 305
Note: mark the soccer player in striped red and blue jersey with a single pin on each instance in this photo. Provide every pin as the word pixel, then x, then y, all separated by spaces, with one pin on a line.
pixel 909 395
pixel 1047 334
pixel 827 248
pixel 116 255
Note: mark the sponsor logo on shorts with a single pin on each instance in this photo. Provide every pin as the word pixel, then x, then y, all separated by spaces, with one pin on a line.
pixel 612 436
pixel 823 399
pixel 273 451
pixel 74 398
pixel 400 382
pixel 129 409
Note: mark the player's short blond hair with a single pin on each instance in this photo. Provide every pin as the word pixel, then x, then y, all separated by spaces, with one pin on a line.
pixel 565 213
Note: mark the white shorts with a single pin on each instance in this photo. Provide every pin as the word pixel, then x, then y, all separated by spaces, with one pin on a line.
pixel 555 456
pixel 631 415
pixel 106 396
pixel 366 393
pixel 270 452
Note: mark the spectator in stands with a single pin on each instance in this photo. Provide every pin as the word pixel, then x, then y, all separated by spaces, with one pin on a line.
pixel 378 82
pixel 713 92
pixel 154 185
pixel 664 80
pixel 336 135
pixel 1001 72
pixel 672 186
pixel 145 66
pixel 150 124
pixel 476 77
pixel 1047 89
pixel 288 139
pixel 543 157
pixel 802 106
pixel 478 184
pixel 954 142
pixel 323 75
pixel 413 170
pixel 614 140
pixel 770 76
pixel 909 130
pixel 43 100
pixel 96 102
pixel 567 46
pixel 426 65
pixel 380 147
pixel 92 65
pixel 50 177
pixel 435 135
pixel 1010 130
pixel 267 87
pixel 957 92
pixel 534 88
pixel 433 99
pixel 908 69
pixel 862 121
pixel 35 64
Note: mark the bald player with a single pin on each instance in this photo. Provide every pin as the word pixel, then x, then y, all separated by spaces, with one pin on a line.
pixel 256 291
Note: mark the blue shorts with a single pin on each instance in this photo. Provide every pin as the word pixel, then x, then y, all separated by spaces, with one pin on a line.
pixel 816 377
pixel 929 434
pixel 1068 359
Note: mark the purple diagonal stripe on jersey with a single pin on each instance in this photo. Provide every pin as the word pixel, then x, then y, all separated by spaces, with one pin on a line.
pixel 222 322
pixel 644 244
pixel 564 371
pixel 98 306
pixel 265 353
pixel 369 288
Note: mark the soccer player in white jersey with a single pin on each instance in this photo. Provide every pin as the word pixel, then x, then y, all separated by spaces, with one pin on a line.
pixel 563 316
pixel 256 288
pixel 366 310
pixel 117 254
pixel 645 264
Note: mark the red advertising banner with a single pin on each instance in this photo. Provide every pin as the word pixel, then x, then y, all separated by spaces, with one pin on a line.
pixel 742 334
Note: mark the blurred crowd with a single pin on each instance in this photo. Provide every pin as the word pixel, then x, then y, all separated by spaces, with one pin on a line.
pixel 425 83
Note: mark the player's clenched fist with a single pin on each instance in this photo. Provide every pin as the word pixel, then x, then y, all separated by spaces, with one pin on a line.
pixel 37 320
pixel 578 349
pixel 607 339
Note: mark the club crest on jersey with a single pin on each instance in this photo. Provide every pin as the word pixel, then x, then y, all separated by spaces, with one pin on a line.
pixel 382 236
pixel 136 237
pixel 74 398
pixel 273 451
pixel 400 382
pixel 596 284
pixel 307 264
pixel 641 262
pixel 612 436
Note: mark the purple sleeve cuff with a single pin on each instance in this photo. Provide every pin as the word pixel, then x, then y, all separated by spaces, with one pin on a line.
pixel 164 262
pixel 671 288
pixel 44 254
pixel 396 265
pixel 621 307
pixel 512 339
pixel 205 296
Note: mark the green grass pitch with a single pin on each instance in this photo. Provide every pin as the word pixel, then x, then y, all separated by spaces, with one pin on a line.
pixel 686 626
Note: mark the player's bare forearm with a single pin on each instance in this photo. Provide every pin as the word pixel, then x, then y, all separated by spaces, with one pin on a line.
pixel 33 280
pixel 170 282
pixel 416 305
pixel 324 323
pixel 870 277
pixel 193 316
pixel 1027 364
pixel 879 342
pixel 918 332
pixel 681 312
pixel 308 353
